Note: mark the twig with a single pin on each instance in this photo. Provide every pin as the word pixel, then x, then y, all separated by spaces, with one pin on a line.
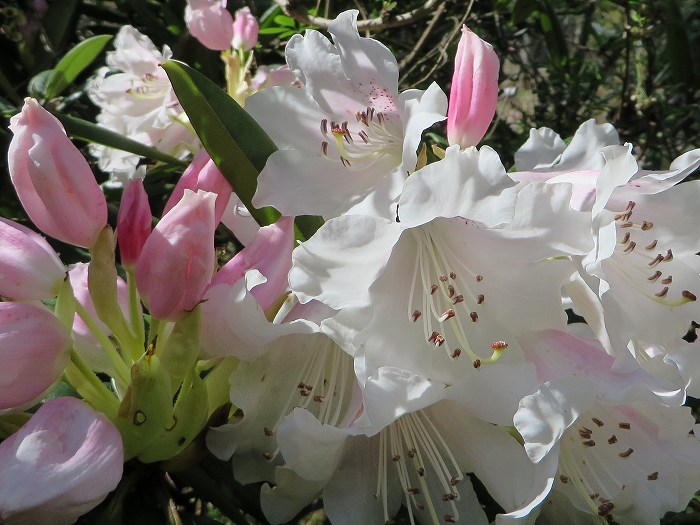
pixel 412 54
pixel 300 14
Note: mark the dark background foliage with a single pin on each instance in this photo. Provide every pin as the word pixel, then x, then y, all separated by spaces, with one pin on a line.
pixel 633 63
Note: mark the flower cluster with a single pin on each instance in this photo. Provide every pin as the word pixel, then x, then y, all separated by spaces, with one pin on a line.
pixel 416 342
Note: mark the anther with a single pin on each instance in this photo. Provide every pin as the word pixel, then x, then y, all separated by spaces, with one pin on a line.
pixel 630 247
pixel 345 162
pixel 443 278
pixel 458 299
pixel 318 399
pixel 653 476
pixel 499 345
pixel 480 299
pixel 655 276
pixel 454 480
pixel 324 148
pixel 324 126
pixel 436 339
pixel 597 421
pixel 413 490
pixel 626 238
pixel 396 457
pixel 479 278
pixel 656 260
pixel 433 289
pixel 667 280
pixel 652 245
pixel 663 292
pixel 456 353
pixel 474 316
pixel 268 455
pixel 268 432
pixel 646 225
pixel 447 314
pixel 669 255
pixel 594 495
pixel 689 295
pixel 624 425
pixel 453 276
pixel 450 290
pixel 627 453
pixel 589 443
pixel 605 508
pixel 449 518
pixel 477 363
pixel 564 479
pixel 420 471
pixel 416 315
pixel 612 439
pixel 412 453
pixel 627 224
pixel 449 496
pixel 585 433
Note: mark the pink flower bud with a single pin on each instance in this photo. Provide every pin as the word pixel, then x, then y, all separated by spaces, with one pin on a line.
pixel 202 174
pixel 210 23
pixel 34 351
pixel 474 91
pixel 62 463
pixel 29 268
pixel 178 259
pixel 271 254
pixel 53 180
pixel 245 30
pixel 133 222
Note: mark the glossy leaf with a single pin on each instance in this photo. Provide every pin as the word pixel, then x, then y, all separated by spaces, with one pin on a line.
pixel 236 143
pixel 74 63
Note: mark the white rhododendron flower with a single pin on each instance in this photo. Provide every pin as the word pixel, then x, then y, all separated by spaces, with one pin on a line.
pixel 136 99
pixel 347 138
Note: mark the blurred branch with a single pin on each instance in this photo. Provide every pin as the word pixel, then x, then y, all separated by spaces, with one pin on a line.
pixel 300 14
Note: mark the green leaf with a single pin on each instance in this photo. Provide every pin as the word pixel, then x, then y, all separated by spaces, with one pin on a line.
pixel 37 85
pixel 88 131
pixel 74 63
pixel 284 21
pixel 273 31
pixel 58 22
pixel 235 142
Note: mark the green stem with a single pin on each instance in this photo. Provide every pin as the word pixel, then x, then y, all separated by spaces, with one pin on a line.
pixel 121 369
pixel 88 385
pixel 137 324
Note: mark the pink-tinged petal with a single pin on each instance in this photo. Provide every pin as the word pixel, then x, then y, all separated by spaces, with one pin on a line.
pixel 545 416
pixel 29 268
pixel 245 30
pixel 133 222
pixel 53 180
pixel 271 254
pixel 474 91
pixel 545 151
pixel 202 174
pixel 34 351
pixel 238 219
pixel 557 354
pixel 177 261
pixel 210 22
pixel 466 183
pixel 234 324
pixel 59 465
